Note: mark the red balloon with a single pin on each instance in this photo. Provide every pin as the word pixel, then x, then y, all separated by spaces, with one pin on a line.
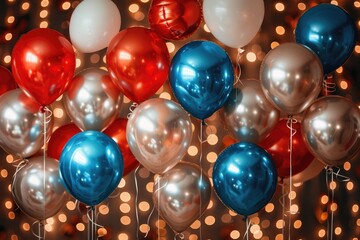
pixel 138 61
pixel 7 81
pixel 175 19
pixel 43 63
pixel 117 131
pixel 277 145
pixel 59 138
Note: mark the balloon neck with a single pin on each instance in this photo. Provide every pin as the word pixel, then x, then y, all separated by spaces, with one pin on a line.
pixel 245 218
pixel 42 109
pixel 281 181
pixel 203 122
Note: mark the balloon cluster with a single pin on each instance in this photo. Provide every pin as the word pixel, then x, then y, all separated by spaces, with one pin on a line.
pixel 98 148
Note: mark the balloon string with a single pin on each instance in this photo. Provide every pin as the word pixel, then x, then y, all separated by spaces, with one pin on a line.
pixel 240 53
pixel 180 236
pixel 330 224
pixel 282 203
pixel 136 202
pixel 132 109
pixel 40 225
pixel 47 120
pixel 328 85
pixel 91 215
pixel 201 173
pixel 157 181
pixel 148 221
pixel 248 225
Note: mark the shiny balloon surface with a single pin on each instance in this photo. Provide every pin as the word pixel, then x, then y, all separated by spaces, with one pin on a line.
pixel 159 134
pixel 248 114
pixel 91 167
pixel 244 178
pixel 22 124
pixel 181 195
pixel 331 128
pixel 291 77
pixel 92 100
pixel 39 196
pixel 201 77
pixel 330 32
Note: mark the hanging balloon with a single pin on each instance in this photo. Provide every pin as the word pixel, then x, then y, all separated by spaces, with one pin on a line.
pixel 93 24
pixel 117 131
pixel 201 77
pixel 331 128
pixel 175 19
pixel 234 22
pixel 37 188
pixel 330 32
pixel 7 81
pixel 138 61
pixel 291 77
pixel 92 100
pixel 22 124
pixel 181 195
pixel 59 138
pixel 277 145
pixel 91 167
pixel 248 114
pixel 159 134
pixel 244 178
pixel 43 63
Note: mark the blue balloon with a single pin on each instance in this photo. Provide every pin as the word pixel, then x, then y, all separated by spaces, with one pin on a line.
pixel 244 178
pixel 91 167
pixel 201 77
pixel 330 32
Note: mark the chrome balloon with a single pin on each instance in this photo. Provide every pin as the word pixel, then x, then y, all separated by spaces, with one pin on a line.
pixel 181 195
pixel 291 77
pixel 331 128
pixel 22 124
pixel 248 114
pixel 39 196
pixel 92 101
pixel 159 133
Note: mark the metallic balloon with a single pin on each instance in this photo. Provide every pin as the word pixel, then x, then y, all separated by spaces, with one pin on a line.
pixel 244 178
pixel 181 195
pixel 39 196
pixel 92 100
pixel 7 81
pixel 159 134
pixel 330 32
pixel 248 114
pixel 331 128
pixel 175 19
pixel 291 77
pixel 201 77
pixel 91 167
pixel 22 124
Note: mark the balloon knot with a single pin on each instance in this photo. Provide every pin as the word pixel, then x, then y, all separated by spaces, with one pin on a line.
pixel 42 109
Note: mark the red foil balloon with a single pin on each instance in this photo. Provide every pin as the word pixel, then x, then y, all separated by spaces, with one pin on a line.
pixel 175 19
pixel 59 138
pixel 7 81
pixel 277 145
pixel 117 131
pixel 43 63
pixel 138 61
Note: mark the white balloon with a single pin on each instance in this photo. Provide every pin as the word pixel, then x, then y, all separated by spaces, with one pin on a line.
pixel 93 24
pixel 234 22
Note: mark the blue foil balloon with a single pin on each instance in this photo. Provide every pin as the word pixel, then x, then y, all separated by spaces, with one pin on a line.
pixel 245 178
pixel 330 32
pixel 201 77
pixel 91 167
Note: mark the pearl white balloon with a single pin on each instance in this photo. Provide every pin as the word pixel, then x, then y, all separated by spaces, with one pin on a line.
pixel 93 24
pixel 234 22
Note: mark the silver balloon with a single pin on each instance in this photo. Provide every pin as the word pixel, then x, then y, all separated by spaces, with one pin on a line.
pixel 248 114
pixel 181 195
pixel 291 77
pixel 92 101
pixel 39 196
pixel 331 128
pixel 159 133
pixel 22 124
